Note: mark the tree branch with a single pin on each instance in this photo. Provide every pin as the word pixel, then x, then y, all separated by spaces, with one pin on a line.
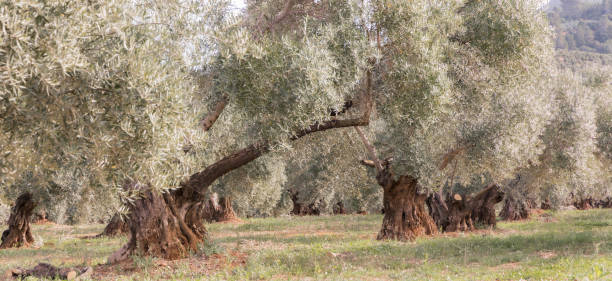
pixel 363 120
pixel 197 184
pixel 449 157
pixel 371 150
pixel 283 13
pixel 212 116
pixel 368 163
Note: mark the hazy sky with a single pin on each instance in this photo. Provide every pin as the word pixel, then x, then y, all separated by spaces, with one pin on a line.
pixel 238 3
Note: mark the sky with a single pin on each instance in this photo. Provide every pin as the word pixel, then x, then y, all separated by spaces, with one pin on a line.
pixel 239 3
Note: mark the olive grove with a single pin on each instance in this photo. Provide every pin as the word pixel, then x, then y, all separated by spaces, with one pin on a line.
pixel 297 103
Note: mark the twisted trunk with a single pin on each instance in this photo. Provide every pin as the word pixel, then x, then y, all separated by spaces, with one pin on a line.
pixel 218 210
pixel 162 226
pixel 227 211
pixel 405 215
pixel 584 204
pixel 299 209
pixel 404 207
pixel 40 217
pixel 19 233
pixel 484 206
pixel 116 226
pixel 604 203
pixel 514 209
pixel 461 214
pixel 339 208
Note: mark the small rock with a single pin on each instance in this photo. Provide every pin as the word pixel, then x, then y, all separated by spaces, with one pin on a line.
pixel 85 275
pixel 71 275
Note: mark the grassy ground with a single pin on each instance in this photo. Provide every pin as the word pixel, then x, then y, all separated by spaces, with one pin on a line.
pixel 568 245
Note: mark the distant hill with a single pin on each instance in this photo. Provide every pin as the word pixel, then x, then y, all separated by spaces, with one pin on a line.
pixel 582 25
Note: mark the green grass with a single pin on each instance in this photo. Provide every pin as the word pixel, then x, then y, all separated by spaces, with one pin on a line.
pixel 574 245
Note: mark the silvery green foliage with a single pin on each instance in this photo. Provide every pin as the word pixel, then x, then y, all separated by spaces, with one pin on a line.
pixel 332 173
pixel 99 83
pixel 468 77
pixel 255 189
pixel 284 81
pixel 601 82
pixel 571 166
pixel 69 197
pixel 5 212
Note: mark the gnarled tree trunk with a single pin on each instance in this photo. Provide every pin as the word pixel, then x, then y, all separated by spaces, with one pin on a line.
pixel 405 215
pixel 604 203
pixel 219 210
pixel 227 211
pixel 39 217
pixel 116 226
pixel 546 205
pixel 514 209
pixel 19 233
pixel 339 208
pixel 300 209
pixel 584 204
pixel 162 226
pixel 404 207
pixel 460 214
pixel 484 206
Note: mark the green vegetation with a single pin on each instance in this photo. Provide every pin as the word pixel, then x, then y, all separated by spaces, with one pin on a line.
pixel 566 245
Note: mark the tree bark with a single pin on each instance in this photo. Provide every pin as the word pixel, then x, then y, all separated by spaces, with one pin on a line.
pixel 604 203
pixel 39 217
pixel 584 204
pixel 339 208
pixel 116 226
pixel 484 206
pixel 300 209
pixel 227 213
pixel 546 205
pixel 514 209
pixel 19 233
pixel 219 210
pixel 405 215
pixel 461 214
pixel 162 226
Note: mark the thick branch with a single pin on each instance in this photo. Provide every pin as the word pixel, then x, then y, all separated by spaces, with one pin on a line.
pixel 205 178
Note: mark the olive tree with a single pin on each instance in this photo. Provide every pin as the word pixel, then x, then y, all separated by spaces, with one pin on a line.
pixel 462 89
pixel 568 163
pixel 110 85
